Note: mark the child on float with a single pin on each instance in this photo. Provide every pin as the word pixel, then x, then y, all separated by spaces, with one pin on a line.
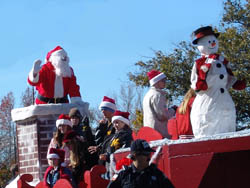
pixel 81 126
pixel 56 171
pixel 184 126
pixel 63 125
pixel 121 139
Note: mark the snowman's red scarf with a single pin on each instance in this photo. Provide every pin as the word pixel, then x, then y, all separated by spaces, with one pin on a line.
pixel 203 66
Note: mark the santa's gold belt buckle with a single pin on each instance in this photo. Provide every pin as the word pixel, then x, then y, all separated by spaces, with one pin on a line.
pixel 55 100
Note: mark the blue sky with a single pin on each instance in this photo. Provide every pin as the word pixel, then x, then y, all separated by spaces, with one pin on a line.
pixel 103 38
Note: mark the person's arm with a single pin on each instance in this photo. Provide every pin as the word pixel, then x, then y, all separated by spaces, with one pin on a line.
pixel 158 104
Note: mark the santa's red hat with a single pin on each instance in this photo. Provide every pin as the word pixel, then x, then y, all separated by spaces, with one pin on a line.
pixel 63 119
pixel 56 154
pixel 202 32
pixel 122 116
pixel 155 76
pixel 55 50
pixel 107 103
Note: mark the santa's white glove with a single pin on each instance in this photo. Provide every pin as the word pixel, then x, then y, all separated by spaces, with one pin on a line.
pixel 37 66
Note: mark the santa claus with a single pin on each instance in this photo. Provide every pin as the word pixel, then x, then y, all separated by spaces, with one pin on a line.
pixel 55 80
pixel 213 110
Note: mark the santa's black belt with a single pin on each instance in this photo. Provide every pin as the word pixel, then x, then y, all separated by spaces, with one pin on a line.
pixel 53 100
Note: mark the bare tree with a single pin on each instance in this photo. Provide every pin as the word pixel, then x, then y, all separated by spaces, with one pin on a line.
pixel 7 131
pixel 28 96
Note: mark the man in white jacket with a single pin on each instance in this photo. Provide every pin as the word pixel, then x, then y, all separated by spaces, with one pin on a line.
pixel 155 113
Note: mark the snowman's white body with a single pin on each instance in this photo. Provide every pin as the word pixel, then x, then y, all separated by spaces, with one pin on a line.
pixel 213 110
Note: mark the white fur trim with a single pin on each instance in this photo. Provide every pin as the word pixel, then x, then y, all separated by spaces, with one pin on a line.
pixel 59 89
pixel 157 79
pixel 107 104
pixel 204 68
pixel 53 156
pixel 57 52
pixel 75 99
pixel 121 118
pixel 63 122
pixel 32 78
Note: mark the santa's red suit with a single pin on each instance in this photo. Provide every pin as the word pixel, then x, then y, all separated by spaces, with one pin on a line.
pixel 52 88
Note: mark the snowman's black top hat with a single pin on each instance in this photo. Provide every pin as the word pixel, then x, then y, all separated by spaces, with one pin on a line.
pixel 202 32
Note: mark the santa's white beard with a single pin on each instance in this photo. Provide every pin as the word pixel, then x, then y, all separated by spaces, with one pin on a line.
pixel 62 68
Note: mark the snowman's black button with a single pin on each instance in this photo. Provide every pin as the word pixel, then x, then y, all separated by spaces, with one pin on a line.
pixel 221 90
pixel 221 76
pixel 218 65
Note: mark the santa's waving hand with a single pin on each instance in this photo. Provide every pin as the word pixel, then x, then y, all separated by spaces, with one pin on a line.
pixel 54 80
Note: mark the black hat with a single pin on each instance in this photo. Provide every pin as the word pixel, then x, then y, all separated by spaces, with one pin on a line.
pixel 140 145
pixel 202 32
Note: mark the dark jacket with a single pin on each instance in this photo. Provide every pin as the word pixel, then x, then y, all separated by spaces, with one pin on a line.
pixel 121 139
pixel 51 176
pixel 103 130
pixel 84 131
pixel 86 139
pixel 151 177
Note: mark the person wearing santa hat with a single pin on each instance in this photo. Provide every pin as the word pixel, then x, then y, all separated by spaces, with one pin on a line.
pixel 213 110
pixel 63 125
pixel 56 171
pixel 105 127
pixel 155 114
pixel 55 80
pixel 121 139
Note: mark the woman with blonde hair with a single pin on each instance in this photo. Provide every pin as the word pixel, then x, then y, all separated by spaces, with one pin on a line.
pixel 184 126
pixel 80 159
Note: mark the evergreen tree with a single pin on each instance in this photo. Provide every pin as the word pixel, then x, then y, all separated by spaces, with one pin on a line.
pixel 234 45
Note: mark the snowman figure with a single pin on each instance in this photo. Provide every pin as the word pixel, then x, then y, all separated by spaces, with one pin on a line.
pixel 213 110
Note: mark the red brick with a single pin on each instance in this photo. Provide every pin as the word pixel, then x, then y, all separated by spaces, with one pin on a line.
pixel 35 155
pixel 25 150
pixel 35 134
pixel 43 135
pixel 30 169
pixel 45 142
pixel 21 157
pixel 23 170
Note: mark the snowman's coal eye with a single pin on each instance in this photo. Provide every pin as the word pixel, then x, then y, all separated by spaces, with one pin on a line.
pixel 209 41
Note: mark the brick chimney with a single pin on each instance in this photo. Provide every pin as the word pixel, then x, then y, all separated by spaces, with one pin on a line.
pixel 35 126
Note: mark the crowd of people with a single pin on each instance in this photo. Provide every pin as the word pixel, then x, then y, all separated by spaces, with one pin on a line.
pixel 74 148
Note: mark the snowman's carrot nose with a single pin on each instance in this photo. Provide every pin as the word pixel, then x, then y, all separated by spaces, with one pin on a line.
pixel 213 44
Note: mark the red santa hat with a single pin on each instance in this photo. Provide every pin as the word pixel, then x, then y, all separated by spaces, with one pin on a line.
pixel 122 116
pixel 202 32
pixel 108 103
pixel 56 154
pixel 49 54
pixel 155 76
pixel 63 119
